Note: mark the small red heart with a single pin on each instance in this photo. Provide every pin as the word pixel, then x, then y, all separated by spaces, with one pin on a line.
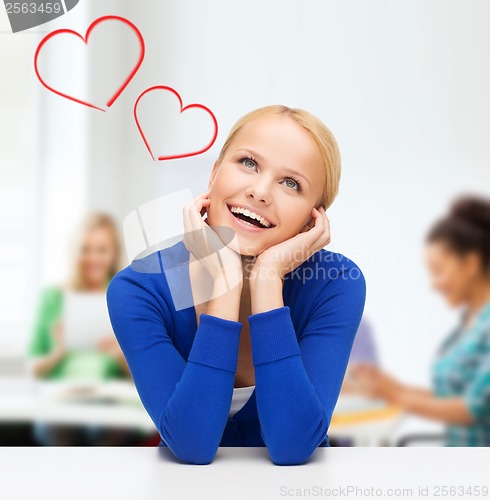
pixel 85 40
pixel 182 109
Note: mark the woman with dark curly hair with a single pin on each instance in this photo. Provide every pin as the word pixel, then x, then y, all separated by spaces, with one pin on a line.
pixel 458 258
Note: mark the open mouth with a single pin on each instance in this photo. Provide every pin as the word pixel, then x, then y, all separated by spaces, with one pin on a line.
pixel 260 223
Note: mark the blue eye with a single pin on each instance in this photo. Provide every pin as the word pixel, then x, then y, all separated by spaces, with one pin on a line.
pixel 295 182
pixel 251 161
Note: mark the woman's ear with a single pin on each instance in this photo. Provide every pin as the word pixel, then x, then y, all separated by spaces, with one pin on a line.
pixel 213 174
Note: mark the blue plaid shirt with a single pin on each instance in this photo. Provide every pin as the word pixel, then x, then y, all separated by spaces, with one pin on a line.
pixel 462 368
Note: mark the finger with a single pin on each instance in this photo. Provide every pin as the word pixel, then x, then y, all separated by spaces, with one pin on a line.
pixel 314 214
pixel 206 238
pixel 192 211
pixel 316 232
pixel 203 211
pixel 306 245
pixel 310 224
pixel 323 224
pixel 192 225
pixel 326 234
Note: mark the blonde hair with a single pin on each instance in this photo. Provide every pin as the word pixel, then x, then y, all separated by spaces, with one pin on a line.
pixel 94 220
pixel 320 133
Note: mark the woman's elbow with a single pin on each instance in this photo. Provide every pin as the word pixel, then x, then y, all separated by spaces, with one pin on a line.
pixel 292 451
pixel 295 448
pixel 195 455
pixel 285 454
pixel 188 449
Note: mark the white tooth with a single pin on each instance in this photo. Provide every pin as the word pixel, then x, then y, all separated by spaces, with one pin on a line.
pixel 253 215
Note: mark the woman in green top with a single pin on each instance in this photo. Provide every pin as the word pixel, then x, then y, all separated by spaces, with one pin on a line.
pixel 458 257
pixel 96 258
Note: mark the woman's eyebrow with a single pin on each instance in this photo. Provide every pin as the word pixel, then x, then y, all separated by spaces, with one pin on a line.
pixel 288 170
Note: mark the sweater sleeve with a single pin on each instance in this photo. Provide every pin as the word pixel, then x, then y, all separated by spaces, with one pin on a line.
pixel 188 401
pixel 298 382
pixel 48 311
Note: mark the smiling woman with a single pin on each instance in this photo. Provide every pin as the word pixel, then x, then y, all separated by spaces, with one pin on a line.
pixel 281 331
pixel 278 163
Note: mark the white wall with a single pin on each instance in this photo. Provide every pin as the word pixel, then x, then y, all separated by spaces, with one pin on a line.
pixel 403 85
pixel 14 188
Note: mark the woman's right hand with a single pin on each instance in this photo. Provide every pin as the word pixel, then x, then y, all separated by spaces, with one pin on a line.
pixel 59 337
pixel 208 246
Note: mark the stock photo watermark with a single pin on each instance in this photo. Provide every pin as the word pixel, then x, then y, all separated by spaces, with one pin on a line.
pixel 350 490
pixel 25 15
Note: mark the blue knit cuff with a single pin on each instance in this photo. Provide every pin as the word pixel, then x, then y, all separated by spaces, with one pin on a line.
pixel 216 343
pixel 272 335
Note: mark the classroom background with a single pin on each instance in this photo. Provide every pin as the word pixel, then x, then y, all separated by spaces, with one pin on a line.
pixel 402 85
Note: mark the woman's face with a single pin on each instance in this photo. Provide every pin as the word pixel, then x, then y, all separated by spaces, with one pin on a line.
pixel 452 275
pixel 97 256
pixel 255 173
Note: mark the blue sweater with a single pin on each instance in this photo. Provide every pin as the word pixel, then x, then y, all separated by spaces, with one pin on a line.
pixel 185 374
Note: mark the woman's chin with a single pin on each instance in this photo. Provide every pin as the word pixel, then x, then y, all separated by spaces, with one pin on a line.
pixel 244 251
pixel 239 243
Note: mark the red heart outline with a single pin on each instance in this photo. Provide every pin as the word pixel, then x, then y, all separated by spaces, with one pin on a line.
pixel 182 109
pixel 85 40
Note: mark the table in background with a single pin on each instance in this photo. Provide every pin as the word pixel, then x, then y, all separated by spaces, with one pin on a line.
pixel 116 403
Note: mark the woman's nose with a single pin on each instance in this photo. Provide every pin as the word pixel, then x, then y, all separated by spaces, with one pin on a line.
pixel 260 191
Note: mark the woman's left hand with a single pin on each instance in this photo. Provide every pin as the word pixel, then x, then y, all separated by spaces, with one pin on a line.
pixel 110 345
pixel 371 381
pixel 284 257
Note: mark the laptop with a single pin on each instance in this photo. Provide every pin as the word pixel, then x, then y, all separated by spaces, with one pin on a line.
pixel 86 319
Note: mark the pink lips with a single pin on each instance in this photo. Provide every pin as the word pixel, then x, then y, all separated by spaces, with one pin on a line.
pixel 244 225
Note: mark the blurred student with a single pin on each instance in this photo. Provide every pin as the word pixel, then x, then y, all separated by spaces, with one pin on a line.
pixel 96 258
pixel 458 259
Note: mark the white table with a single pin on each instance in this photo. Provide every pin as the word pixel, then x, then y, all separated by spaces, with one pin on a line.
pixel 81 473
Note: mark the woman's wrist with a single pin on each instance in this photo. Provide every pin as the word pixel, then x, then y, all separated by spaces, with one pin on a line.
pixel 266 293
pixel 225 305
